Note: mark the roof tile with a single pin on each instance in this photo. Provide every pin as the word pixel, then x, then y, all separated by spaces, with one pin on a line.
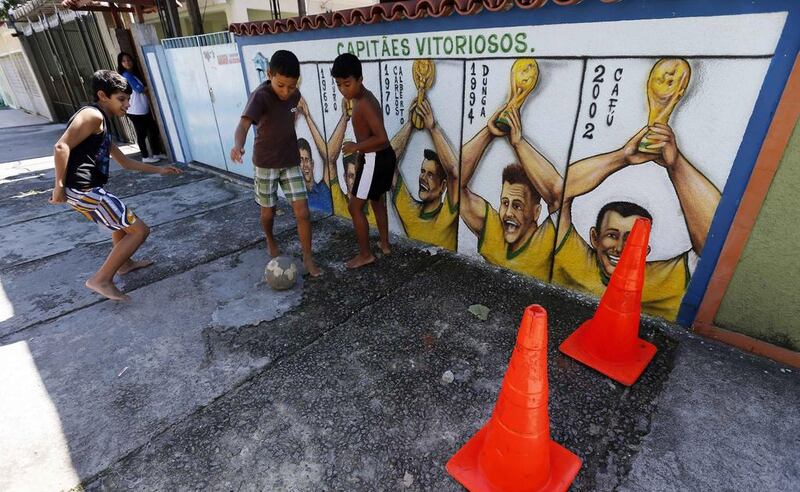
pixel 387 12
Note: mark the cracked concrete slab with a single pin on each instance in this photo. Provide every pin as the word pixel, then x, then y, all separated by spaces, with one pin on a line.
pixel 54 234
pixel 13 171
pixel 170 372
pixel 177 359
pixel 28 182
pixel 31 202
pixel 34 294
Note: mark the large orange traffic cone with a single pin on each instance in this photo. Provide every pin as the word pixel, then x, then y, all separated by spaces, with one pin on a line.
pixel 513 451
pixel 609 342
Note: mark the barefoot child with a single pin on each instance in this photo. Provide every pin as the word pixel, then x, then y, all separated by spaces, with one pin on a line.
pixel 81 162
pixel 377 159
pixel 273 108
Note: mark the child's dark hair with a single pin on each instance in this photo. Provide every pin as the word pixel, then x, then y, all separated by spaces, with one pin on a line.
pixel 121 69
pixel 110 82
pixel 346 65
pixel 284 63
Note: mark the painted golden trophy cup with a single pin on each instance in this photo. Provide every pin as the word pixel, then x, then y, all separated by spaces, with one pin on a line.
pixel 524 76
pixel 423 71
pixel 665 87
pixel 348 107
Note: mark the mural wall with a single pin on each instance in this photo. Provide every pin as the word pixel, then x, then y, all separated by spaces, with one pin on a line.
pixel 535 148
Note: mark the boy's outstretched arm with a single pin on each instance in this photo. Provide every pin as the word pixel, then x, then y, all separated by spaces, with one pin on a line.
pixel 128 163
pixel 86 123
pixel 239 138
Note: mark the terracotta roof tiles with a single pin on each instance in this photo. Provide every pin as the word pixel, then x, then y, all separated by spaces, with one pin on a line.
pixel 385 12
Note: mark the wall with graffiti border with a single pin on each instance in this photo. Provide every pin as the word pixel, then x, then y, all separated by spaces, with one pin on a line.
pixel 533 139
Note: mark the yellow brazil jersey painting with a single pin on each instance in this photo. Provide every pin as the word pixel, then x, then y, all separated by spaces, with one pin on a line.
pixel 438 227
pixel 576 266
pixel 532 258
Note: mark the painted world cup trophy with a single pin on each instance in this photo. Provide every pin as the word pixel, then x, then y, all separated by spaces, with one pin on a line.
pixel 424 72
pixel 524 76
pixel 665 87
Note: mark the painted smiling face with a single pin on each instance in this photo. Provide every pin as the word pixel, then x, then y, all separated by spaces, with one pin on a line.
pixel 307 167
pixel 518 212
pixel 610 239
pixel 431 181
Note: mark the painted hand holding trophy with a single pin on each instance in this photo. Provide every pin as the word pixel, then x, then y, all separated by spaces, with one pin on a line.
pixel 524 77
pixel 348 107
pixel 424 72
pixel 665 87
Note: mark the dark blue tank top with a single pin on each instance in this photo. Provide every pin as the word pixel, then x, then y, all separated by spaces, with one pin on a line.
pixel 88 161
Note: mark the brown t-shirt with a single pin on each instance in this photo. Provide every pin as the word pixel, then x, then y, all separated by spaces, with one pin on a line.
pixel 276 141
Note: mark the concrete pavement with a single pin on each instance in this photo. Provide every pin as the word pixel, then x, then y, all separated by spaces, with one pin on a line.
pixel 209 380
pixel 14 118
pixel 725 421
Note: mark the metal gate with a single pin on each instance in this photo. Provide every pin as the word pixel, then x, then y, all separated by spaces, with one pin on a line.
pixel 67 48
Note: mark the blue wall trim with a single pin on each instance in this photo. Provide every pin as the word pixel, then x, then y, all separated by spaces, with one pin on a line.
pixel 595 11
pixel 167 81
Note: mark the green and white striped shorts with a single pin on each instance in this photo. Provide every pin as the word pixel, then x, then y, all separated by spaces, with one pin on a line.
pixel 265 183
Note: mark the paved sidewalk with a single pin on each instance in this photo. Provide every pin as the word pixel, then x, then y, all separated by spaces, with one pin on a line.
pixel 209 380
pixel 10 117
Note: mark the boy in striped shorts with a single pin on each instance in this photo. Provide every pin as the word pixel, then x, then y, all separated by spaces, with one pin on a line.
pixel 273 108
pixel 81 162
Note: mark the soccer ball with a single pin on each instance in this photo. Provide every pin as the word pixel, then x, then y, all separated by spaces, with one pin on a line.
pixel 281 273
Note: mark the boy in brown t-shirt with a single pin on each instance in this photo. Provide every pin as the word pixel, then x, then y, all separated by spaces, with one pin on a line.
pixel 272 107
pixel 376 158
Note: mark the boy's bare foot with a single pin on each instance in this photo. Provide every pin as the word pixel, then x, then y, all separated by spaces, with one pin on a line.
pixel 312 268
pixel 132 265
pixel 274 250
pixel 359 261
pixel 385 248
pixel 107 289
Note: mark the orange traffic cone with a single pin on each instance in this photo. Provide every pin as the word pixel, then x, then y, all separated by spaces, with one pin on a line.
pixel 513 451
pixel 609 342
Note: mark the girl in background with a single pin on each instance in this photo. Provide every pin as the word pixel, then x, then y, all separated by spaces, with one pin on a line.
pixel 139 111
